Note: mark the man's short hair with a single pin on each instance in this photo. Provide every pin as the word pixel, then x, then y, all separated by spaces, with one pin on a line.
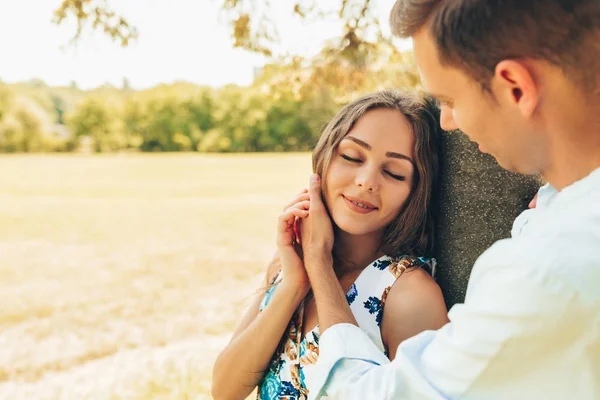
pixel 474 35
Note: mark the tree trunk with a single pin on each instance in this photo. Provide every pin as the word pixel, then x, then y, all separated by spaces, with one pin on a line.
pixel 477 203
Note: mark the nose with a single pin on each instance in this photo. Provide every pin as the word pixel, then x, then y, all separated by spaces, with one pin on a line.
pixel 366 179
pixel 447 121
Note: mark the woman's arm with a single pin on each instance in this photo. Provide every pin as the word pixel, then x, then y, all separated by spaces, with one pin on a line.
pixel 272 271
pixel 241 365
pixel 414 304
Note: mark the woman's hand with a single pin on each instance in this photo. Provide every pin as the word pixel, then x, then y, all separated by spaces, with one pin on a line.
pixel 292 265
pixel 316 230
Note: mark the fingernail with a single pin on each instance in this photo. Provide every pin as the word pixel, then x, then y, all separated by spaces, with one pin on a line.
pixel 315 177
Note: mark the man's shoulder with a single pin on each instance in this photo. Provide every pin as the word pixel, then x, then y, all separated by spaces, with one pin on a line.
pixel 562 247
pixel 570 224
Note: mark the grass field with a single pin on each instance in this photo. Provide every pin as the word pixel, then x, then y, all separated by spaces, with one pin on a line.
pixel 122 276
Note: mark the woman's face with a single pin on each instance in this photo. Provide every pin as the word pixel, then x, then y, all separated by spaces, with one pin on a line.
pixel 371 172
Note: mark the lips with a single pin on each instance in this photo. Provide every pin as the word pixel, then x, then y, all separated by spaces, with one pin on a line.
pixel 359 205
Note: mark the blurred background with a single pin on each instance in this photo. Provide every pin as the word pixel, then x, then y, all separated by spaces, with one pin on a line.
pixel 146 150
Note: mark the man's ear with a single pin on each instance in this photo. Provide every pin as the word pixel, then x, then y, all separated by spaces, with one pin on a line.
pixel 516 84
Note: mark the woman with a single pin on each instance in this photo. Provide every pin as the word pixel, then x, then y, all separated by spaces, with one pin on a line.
pixel 378 161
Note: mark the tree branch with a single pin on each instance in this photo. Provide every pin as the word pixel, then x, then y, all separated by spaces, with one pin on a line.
pixel 101 17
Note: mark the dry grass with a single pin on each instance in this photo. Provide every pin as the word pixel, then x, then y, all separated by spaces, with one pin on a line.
pixel 121 277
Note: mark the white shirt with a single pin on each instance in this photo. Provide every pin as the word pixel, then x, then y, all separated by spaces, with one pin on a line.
pixel 529 327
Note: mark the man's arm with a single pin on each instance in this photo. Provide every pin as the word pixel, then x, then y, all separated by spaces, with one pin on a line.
pixel 332 306
pixel 520 334
pixel 317 243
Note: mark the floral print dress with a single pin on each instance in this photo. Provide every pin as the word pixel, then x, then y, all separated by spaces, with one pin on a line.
pixel 289 372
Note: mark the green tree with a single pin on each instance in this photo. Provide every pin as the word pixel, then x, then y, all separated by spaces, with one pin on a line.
pixel 134 122
pixel 26 127
pixel 59 108
pixel 6 97
pixel 283 110
pixel 96 119
pixel 165 119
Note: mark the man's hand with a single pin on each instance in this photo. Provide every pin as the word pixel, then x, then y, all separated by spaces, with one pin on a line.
pixel 533 202
pixel 316 230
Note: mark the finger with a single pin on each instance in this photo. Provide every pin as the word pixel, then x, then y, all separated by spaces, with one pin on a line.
pixel 300 197
pixel 296 230
pixel 303 192
pixel 314 190
pixel 299 213
pixel 303 205
pixel 286 219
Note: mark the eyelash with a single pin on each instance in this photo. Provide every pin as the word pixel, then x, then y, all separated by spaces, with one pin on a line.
pixel 356 160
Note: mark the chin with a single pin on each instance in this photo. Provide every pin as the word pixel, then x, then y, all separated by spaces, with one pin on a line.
pixel 519 169
pixel 509 167
pixel 351 227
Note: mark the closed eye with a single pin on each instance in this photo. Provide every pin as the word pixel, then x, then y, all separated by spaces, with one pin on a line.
pixel 445 103
pixel 354 160
pixel 396 177
pixel 358 161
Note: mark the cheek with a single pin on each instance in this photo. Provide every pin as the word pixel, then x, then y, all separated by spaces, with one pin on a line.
pixel 334 181
pixel 471 125
pixel 463 121
pixel 484 118
pixel 337 175
pixel 396 201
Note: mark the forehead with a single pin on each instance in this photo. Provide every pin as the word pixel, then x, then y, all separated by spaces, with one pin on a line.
pixel 437 79
pixel 384 129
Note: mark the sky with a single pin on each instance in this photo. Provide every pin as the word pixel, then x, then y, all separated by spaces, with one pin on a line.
pixel 179 40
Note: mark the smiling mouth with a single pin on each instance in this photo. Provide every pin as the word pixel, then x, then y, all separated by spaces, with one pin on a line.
pixel 360 204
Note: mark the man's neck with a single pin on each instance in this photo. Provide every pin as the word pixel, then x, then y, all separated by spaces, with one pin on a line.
pixel 573 158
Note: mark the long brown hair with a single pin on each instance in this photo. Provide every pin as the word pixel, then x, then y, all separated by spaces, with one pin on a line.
pixel 411 232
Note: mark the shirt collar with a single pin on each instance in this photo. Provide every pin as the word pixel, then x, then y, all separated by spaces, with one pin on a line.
pixel 548 194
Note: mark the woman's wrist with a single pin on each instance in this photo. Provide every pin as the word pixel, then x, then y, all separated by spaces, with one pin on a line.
pixel 295 290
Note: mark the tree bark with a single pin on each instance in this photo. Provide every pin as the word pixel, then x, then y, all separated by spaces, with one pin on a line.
pixel 476 204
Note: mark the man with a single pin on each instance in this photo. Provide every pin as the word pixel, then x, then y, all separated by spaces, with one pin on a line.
pixel 522 79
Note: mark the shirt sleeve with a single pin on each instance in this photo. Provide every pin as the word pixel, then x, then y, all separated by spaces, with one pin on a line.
pixel 512 312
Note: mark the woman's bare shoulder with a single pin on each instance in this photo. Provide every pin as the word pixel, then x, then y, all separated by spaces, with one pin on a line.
pixel 414 304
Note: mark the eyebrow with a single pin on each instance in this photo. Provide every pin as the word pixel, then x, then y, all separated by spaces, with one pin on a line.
pixel 390 154
pixel 438 96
